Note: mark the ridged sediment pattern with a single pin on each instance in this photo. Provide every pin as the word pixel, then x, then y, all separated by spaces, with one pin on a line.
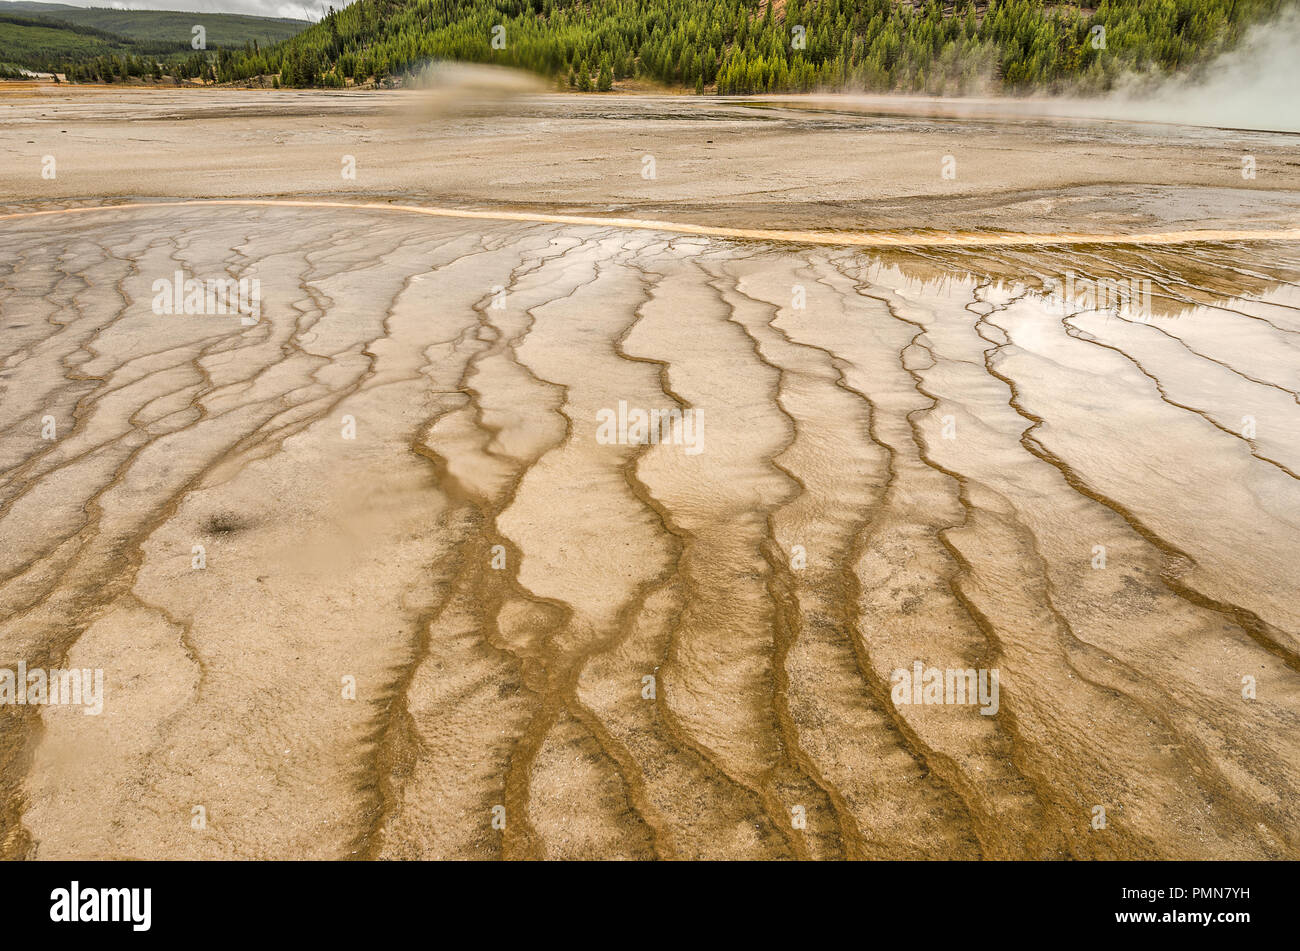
pixel 943 449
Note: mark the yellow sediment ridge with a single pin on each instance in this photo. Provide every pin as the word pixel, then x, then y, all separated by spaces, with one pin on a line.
pixel 870 239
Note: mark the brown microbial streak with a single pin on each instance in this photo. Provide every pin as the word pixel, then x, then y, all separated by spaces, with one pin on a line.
pixel 680 569
pixel 399 742
pixel 785 613
pixel 847 384
pixel 104 568
pixel 1042 829
pixel 877 239
pixel 783 589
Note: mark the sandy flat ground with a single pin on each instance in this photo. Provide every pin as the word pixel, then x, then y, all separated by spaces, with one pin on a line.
pixel 439 615
pixel 745 163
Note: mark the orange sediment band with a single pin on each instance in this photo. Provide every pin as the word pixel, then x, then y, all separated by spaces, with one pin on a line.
pixel 864 239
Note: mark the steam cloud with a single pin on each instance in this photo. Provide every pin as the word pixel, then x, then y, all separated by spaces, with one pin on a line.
pixel 1254 86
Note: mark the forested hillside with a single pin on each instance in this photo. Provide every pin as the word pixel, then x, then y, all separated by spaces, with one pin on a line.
pixel 741 46
pixel 108 45
pixel 747 46
pixel 31 40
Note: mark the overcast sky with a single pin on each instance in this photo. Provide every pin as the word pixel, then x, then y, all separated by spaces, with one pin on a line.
pixel 308 9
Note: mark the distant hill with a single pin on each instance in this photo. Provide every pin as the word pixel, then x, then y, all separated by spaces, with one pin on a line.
pixel 46 35
pixel 35 42
pixel 165 26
